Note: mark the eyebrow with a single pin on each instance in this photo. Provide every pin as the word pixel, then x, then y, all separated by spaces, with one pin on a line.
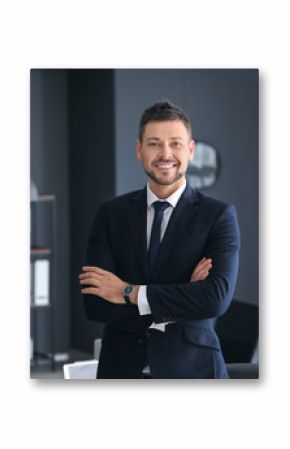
pixel 157 138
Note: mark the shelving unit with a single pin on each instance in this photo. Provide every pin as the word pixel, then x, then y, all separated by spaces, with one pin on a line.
pixel 43 252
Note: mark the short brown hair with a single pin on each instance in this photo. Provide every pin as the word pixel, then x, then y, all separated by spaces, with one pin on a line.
pixel 161 111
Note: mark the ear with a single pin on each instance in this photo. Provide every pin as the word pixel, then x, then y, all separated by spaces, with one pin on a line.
pixel 191 149
pixel 139 150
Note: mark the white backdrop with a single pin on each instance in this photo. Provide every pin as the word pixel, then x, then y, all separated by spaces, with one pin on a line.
pixel 204 34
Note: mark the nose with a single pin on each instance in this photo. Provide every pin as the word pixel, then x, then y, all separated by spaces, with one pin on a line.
pixel 166 152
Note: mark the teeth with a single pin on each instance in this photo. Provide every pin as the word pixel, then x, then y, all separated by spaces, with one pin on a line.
pixel 165 165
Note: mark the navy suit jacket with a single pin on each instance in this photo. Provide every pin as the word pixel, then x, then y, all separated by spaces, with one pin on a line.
pixel 199 227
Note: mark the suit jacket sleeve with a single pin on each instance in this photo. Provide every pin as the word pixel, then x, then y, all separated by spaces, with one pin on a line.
pixel 99 254
pixel 209 298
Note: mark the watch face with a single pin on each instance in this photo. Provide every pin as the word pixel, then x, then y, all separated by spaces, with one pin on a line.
pixel 128 289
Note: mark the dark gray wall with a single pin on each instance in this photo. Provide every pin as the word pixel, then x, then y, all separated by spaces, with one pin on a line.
pixel 92 177
pixel 49 171
pixel 223 107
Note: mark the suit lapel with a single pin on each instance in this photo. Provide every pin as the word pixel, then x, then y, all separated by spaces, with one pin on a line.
pixel 137 218
pixel 182 214
pixel 137 213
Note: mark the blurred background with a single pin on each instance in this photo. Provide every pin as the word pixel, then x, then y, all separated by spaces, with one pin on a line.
pixel 84 126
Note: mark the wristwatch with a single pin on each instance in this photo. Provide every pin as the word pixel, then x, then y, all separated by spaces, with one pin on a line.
pixel 127 290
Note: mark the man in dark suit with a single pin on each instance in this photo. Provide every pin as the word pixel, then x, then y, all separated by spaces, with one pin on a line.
pixel 161 263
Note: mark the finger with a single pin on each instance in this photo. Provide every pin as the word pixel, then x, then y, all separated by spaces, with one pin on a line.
pixel 90 291
pixel 94 270
pixel 98 270
pixel 202 265
pixel 90 274
pixel 206 266
pixel 200 262
pixel 204 261
pixel 90 281
pixel 202 273
pixel 200 277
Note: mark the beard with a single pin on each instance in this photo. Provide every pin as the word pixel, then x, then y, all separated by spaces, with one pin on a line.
pixel 164 181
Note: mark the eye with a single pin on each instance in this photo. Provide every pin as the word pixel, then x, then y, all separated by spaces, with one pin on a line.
pixel 153 144
pixel 177 144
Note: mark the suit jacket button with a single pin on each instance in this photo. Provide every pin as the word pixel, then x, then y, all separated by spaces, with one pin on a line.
pixel 141 340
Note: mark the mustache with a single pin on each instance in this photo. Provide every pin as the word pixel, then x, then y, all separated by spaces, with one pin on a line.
pixel 165 161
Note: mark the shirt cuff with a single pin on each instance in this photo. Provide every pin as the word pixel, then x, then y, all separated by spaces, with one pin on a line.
pixel 143 305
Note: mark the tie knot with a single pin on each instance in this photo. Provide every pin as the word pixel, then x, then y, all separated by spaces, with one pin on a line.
pixel 160 206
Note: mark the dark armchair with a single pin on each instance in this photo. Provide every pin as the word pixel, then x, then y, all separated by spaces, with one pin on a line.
pixel 238 331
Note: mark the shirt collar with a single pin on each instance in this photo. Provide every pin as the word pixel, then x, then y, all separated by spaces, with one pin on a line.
pixel 172 199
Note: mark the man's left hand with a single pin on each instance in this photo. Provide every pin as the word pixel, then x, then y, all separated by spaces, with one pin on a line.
pixel 102 283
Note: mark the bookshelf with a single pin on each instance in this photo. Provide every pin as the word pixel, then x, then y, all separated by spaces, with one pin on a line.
pixel 42 279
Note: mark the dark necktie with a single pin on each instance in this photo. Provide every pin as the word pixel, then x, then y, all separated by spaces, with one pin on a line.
pixel 155 238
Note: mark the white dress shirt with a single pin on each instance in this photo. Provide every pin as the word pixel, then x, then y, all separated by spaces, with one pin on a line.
pixel 142 302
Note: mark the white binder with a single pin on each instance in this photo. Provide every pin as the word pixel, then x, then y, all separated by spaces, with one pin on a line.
pixel 41 282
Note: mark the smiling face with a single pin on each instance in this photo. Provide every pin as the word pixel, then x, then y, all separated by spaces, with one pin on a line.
pixel 165 152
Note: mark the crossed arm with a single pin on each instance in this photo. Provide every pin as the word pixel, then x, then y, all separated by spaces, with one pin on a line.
pixel 104 284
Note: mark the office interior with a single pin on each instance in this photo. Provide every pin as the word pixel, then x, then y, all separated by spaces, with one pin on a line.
pixel 84 127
